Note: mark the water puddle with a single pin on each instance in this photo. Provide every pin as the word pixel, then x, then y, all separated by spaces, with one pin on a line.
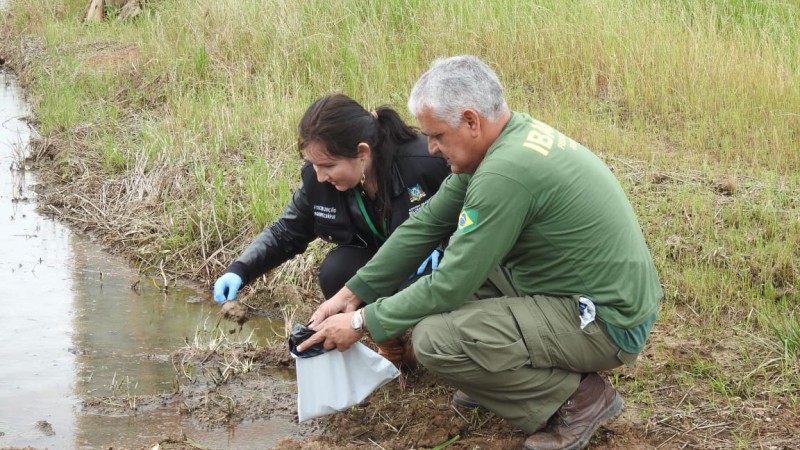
pixel 78 322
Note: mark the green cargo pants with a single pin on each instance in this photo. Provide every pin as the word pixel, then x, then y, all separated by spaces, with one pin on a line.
pixel 520 357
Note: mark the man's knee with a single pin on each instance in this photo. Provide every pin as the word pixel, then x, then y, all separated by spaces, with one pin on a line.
pixel 420 339
pixel 429 340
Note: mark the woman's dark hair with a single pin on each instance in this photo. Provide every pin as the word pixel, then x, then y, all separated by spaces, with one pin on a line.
pixel 341 123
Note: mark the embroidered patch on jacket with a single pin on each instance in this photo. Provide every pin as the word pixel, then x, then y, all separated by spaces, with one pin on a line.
pixel 467 220
pixel 415 193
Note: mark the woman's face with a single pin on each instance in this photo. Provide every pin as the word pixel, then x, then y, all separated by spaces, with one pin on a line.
pixel 342 173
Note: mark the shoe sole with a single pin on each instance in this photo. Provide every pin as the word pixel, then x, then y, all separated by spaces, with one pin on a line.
pixel 609 414
pixel 466 404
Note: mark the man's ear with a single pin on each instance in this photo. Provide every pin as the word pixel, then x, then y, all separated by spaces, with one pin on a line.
pixel 472 119
pixel 364 150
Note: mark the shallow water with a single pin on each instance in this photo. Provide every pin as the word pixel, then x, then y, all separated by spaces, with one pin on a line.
pixel 74 326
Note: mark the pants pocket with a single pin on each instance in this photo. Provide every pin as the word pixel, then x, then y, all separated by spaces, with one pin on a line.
pixel 550 327
pixel 497 357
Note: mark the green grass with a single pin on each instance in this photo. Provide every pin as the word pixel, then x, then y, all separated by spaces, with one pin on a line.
pixel 193 107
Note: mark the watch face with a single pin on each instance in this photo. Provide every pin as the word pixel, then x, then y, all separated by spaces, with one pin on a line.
pixel 356 321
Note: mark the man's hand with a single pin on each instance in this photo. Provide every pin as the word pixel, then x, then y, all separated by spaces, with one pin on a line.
pixel 333 332
pixel 343 301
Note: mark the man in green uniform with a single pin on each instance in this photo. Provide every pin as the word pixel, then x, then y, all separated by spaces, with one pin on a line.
pixel 547 278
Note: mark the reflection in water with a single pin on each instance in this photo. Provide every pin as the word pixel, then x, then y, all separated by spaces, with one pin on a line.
pixel 73 327
pixel 125 333
pixel 122 340
pixel 36 367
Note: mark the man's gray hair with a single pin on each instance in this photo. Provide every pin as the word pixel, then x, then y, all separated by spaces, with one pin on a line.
pixel 453 85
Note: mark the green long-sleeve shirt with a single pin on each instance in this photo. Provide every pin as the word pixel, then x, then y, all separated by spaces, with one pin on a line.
pixel 539 204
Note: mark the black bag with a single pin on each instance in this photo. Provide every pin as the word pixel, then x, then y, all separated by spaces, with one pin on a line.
pixel 298 335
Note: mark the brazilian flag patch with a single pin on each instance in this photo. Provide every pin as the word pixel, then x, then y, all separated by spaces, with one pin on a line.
pixel 467 220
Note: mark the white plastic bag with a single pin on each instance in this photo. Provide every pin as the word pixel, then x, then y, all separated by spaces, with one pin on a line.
pixel 334 381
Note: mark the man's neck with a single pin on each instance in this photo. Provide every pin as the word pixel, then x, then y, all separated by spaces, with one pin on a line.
pixel 493 129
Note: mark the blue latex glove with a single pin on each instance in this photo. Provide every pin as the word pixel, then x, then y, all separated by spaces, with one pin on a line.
pixel 226 287
pixel 433 259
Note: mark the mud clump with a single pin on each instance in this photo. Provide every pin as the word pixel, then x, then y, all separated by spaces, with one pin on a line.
pixel 235 312
pixel 45 427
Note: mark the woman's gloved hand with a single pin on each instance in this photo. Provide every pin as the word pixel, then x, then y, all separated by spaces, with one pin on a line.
pixel 226 287
pixel 433 259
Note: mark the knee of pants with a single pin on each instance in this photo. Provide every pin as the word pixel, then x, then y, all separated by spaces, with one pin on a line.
pixel 339 265
pixel 430 341
pixel 330 281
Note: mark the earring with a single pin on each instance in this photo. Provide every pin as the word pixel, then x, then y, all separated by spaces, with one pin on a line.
pixel 363 177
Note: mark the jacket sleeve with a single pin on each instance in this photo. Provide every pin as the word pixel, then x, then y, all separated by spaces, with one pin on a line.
pixel 278 242
pixel 411 243
pixel 496 210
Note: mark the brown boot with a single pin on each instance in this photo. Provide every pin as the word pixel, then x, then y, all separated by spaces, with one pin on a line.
pixel 465 401
pixel 592 405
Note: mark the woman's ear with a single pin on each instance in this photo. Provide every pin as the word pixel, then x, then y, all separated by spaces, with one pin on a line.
pixel 364 150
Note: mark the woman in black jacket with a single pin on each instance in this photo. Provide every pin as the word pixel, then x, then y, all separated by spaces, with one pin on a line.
pixel 365 173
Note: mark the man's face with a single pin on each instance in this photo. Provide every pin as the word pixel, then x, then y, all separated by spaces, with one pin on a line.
pixel 342 173
pixel 457 145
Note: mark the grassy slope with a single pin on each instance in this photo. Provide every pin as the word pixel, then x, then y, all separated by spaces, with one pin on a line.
pixel 172 137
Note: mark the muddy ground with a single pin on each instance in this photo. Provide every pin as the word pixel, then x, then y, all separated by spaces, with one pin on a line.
pixel 420 415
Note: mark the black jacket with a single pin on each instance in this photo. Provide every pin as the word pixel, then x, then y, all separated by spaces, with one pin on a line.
pixel 318 210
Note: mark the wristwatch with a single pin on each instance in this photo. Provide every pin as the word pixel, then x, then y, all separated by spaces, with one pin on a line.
pixel 357 322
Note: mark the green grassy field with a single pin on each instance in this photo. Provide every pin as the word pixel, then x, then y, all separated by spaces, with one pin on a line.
pixel 179 127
